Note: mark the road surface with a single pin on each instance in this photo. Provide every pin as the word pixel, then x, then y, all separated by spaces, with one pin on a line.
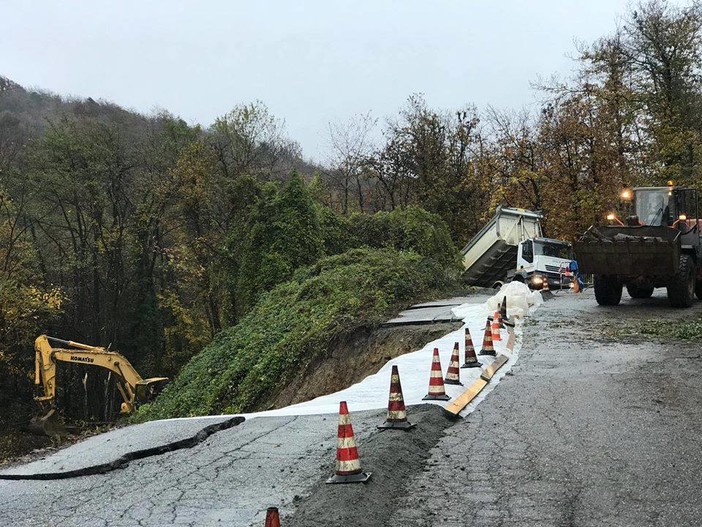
pixel 588 430
pixel 590 427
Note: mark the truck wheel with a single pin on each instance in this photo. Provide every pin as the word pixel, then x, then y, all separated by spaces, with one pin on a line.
pixel 636 291
pixel 681 288
pixel 608 290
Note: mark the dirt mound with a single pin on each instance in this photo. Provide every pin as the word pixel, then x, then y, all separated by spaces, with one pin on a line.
pixel 394 457
pixel 354 357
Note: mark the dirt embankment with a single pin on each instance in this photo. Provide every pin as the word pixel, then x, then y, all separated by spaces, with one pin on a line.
pixel 354 357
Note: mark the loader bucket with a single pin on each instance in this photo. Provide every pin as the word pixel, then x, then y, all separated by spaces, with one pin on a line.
pixel 629 251
pixel 49 424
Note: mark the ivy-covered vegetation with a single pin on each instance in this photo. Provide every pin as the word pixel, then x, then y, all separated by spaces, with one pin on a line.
pixel 292 326
pixel 412 229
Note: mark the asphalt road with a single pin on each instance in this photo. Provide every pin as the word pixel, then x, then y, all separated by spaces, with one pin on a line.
pixel 586 429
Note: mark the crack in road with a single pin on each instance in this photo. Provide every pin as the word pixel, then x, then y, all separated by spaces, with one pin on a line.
pixel 125 459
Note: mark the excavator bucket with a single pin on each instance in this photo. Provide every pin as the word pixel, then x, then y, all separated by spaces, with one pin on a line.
pixel 49 424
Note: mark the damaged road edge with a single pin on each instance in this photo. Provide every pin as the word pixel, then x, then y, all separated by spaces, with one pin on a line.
pixel 124 460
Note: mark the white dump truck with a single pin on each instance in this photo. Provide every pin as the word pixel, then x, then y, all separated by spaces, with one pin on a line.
pixel 512 247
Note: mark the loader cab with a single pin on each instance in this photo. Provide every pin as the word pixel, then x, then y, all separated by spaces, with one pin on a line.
pixel 652 206
pixel 666 206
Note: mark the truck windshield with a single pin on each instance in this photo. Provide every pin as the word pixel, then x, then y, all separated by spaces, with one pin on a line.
pixel 652 206
pixel 557 250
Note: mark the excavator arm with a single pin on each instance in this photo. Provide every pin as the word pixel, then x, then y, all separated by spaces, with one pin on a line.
pixel 131 386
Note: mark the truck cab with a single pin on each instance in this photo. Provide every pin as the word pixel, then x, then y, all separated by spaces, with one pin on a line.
pixel 540 259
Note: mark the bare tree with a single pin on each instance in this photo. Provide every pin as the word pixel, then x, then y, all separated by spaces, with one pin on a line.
pixel 351 146
pixel 249 140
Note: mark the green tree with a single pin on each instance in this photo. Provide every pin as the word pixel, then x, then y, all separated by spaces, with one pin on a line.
pixel 663 43
pixel 284 234
pixel 27 303
pixel 429 160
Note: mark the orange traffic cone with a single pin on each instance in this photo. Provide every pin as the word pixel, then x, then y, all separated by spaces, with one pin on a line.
pixel 437 392
pixel 397 415
pixel 496 337
pixel 575 284
pixel 453 374
pixel 488 349
pixel 471 359
pixel 272 518
pixel 348 465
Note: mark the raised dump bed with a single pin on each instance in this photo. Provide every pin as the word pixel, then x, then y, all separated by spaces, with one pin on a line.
pixel 492 253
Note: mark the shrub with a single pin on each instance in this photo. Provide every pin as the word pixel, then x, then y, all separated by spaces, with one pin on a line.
pixel 410 229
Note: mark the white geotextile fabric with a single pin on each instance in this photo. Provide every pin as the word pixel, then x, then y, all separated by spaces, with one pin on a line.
pixel 372 392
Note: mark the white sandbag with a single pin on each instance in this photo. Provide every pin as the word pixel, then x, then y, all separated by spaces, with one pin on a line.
pixel 519 299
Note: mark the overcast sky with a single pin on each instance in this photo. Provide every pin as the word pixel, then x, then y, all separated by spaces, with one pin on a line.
pixel 310 62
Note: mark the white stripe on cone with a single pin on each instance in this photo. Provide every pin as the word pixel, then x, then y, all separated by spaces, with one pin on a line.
pixel 345 442
pixel 348 466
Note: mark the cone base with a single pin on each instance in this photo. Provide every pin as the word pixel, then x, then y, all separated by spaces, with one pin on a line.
pixel 396 425
pixel 352 478
pixel 475 364
pixel 459 383
pixel 491 353
pixel 430 397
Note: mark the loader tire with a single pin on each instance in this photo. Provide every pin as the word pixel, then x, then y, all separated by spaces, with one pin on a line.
pixel 681 289
pixel 608 290
pixel 636 291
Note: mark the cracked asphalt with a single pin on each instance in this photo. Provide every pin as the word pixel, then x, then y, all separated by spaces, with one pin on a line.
pixel 585 430
pixel 588 428
pixel 221 481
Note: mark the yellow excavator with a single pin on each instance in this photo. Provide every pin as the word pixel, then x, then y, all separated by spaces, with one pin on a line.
pixel 133 389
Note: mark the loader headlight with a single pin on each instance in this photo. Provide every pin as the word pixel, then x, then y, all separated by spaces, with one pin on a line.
pixel 613 218
pixel 537 280
pixel 682 217
pixel 626 194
